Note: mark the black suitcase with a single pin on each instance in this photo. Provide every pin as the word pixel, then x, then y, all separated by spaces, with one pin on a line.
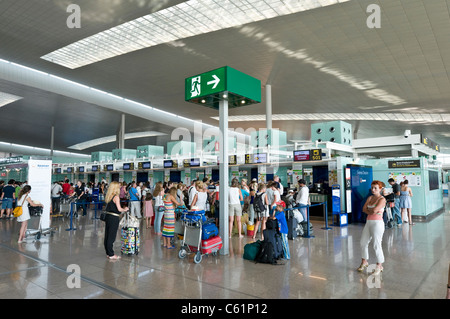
pixel 292 225
pixel 304 226
pixel 273 236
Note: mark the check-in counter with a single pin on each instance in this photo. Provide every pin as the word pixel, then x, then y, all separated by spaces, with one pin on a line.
pixel 317 211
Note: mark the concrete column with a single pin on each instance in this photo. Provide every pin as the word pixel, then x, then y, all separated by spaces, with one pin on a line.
pixel 121 135
pixel 223 173
pixel 52 141
pixel 269 106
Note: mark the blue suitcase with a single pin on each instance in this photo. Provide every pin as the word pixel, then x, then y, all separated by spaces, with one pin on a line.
pixel 209 230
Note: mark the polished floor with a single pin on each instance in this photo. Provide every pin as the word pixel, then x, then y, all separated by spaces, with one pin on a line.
pixel 416 267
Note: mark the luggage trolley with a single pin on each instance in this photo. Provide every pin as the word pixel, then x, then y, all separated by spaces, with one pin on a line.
pixel 192 237
pixel 37 233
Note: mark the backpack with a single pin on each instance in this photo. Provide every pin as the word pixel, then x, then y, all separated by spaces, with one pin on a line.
pixel 266 253
pixel 258 203
pixel 274 237
pixel 272 224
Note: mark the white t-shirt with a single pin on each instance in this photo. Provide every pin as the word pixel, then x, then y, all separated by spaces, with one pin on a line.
pixel 56 190
pixel 201 200
pixel 302 196
pixel 159 201
pixel 277 196
pixel 191 194
pixel 233 196
pixel 270 195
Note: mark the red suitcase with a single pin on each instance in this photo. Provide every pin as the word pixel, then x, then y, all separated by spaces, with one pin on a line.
pixel 209 246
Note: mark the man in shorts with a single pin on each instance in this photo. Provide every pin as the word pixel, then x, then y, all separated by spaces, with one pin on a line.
pixel 7 198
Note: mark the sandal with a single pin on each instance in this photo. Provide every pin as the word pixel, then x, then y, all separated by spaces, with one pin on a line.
pixel 171 247
pixel 115 257
pixel 362 267
pixel 377 270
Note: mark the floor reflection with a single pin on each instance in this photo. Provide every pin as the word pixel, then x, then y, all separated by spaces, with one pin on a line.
pixel 321 267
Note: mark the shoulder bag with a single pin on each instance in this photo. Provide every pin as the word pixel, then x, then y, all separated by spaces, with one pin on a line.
pixel 18 211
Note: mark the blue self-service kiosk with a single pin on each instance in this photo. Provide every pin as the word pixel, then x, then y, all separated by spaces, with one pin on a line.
pixel 358 180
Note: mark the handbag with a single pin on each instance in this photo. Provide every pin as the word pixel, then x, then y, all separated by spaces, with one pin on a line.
pixel 129 221
pixel 103 216
pixel 18 211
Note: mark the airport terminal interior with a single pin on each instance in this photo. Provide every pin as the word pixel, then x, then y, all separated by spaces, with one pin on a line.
pixel 328 103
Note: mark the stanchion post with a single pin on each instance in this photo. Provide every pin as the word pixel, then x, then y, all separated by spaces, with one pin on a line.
pixel 71 217
pixel 95 210
pixel 325 205
pixel 307 223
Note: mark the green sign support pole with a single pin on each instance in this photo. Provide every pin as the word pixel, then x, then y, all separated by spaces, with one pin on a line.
pixel 221 89
pixel 223 174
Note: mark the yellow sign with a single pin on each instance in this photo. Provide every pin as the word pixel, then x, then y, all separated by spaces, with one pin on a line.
pixel 316 155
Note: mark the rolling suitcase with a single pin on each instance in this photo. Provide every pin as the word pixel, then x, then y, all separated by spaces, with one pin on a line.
pixel 211 245
pixel 304 226
pixel 292 226
pixel 209 230
pixel 274 237
pixel 130 239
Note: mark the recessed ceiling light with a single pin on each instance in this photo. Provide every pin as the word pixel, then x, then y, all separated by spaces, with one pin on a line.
pixel 6 98
pixel 187 19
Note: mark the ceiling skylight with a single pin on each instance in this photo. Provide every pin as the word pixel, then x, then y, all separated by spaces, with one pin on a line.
pixel 112 138
pixel 403 117
pixel 187 19
pixel 6 98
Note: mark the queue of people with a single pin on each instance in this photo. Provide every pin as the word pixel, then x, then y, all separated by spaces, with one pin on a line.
pixel 260 200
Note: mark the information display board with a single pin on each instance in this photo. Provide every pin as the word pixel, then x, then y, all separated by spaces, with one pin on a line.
pixel 144 165
pixel 128 166
pixel 259 158
pixel 170 164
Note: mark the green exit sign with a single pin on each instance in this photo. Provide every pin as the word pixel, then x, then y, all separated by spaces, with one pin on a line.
pixel 211 87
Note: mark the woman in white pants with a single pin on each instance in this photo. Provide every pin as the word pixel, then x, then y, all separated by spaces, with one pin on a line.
pixel 374 228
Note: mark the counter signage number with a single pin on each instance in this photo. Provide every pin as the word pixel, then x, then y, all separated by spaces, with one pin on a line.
pixel 316 155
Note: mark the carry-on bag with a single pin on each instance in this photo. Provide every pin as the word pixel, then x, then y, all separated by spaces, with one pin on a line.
pixel 209 230
pixel 251 250
pixel 130 235
pixel 130 240
pixel 194 216
pixel 292 226
pixel 304 226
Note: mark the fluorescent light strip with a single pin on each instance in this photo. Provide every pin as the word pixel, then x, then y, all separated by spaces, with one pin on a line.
pixel 405 117
pixel 112 138
pixel 102 92
pixel 187 19
pixel 6 98
pixel 32 148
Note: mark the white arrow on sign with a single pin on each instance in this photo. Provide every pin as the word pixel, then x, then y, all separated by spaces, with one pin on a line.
pixel 215 81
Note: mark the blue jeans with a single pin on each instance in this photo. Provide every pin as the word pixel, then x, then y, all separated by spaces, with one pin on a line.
pixel 396 211
pixel 83 204
pixel 159 213
pixel 7 203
